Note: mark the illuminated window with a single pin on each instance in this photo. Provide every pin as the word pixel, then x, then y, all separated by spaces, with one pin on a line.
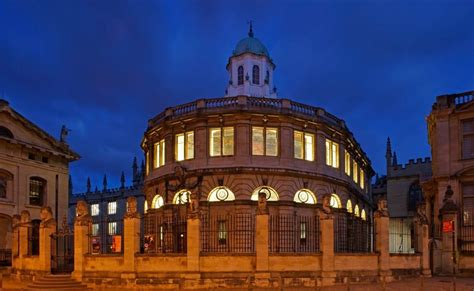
pixel 363 215
pixel 240 75
pixel 222 234
pixel 303 232
pixel 349 206
pixel 303 145
pixel 95 210
pixel 305 196
pixel 467 129
pixel 95 229
pixel 355 171
pixel 37 191
pixel 467 205
pixel 335 201
pixel 332 153
pixel 147 160
pixel 112 207
pixel 362 178
pixel 145 206
pixel 256 75
pixel 181 197
pixel 356 210
pixel 264 141
pixel 112 228
pixel 271 194
pixel 347 163
pixel 157 202
pixel 159 154
pixel 221 194
pixel 221 141
pixel 184 146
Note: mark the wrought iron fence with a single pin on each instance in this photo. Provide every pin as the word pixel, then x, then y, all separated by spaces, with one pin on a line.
pixel 294 234
pixel 351 234
pixel 164 233
pixel 466 240
pixel 401 235
pixel 106 237
pixel 231 233
pixel 5 257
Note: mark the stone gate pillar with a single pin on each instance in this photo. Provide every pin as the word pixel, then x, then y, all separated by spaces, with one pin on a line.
pixel 193 237
pixel 47 228
pixel 422 239
pixel 262 274
pixel 131 222
pixel 23 227
pixel 449 219
pixel 381 221
pixel 326 221
pixel 82 227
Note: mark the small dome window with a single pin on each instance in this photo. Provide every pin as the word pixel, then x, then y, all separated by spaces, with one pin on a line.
pixel 305 196
pixel 335 201
pixel 221 194
pixel 240 75
pixel 272 195
pixel 5 132
pixel 349 206
pixel 356 211
pixel 256 75
pixel 157 202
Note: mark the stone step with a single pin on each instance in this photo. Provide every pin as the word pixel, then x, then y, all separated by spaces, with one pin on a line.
pixel 56 282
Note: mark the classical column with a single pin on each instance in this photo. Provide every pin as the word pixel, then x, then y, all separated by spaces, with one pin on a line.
pixel 449 224
pixel 381 221
pixel 47 228
pixel 131 222
pixel 82 226
pixel 326 222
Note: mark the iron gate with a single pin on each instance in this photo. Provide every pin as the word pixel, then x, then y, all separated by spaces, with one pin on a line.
pixel 62 251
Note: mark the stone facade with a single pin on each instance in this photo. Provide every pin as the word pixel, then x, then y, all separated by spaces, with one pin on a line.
pixel 448 193
pixel 34 171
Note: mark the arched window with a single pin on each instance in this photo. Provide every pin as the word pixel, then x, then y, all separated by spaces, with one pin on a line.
pixel 145 207
pixel 363 215
pixel 415 195
pixel 220 194
pixel 305 196
pixel 5 132
pixel 37 192
pixel 335 201
pixel 267 77
pixel 157 202
pixel 256 75
pixel 272 195
pixel 240 75
pixel 6 179
pixel 181 197
pixel 356 210
pixel 349 206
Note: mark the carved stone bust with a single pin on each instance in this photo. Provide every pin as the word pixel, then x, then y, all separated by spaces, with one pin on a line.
pixel 326 211
pixel 382 210
pixel 25 217
pixel 82 214
pixel 16 219
pixel 262 203
pixel 132 210
pixel 46 215
pixel 193 206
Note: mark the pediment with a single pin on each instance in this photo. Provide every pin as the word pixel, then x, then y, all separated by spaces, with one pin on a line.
pixel 467 172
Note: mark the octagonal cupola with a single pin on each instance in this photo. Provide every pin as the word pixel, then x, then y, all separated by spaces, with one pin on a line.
pixel 250 69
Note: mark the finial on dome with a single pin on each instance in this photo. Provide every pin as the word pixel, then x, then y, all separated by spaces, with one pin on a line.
pixel 250 28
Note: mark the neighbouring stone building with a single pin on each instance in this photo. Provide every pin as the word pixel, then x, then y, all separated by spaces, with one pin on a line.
pixel 108 206
pixel 401 186
pixel 34 173
pixel 450 193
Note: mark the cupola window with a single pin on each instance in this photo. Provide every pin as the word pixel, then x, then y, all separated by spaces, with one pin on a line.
pixel 256 75
pixel 240 75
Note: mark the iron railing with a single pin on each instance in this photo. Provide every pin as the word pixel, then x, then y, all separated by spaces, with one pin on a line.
pixel 294 234
pixel 164 233
pixel 230 233
pixel 351 234
pixel 5 257
pixel 466 240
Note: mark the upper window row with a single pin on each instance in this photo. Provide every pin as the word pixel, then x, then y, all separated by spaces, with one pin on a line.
pixel 255 75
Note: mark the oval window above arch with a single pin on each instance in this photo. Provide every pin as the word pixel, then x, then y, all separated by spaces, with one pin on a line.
pixel 305 196
pixel 157 202
pixel 335 201
pixel 220 194
pixel 271 194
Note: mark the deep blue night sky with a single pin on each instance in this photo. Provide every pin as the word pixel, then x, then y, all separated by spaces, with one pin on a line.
pixel 104 68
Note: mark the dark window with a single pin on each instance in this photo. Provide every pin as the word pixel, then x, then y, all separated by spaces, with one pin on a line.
pixel 240 75
pixel 45 159
pixel 267 78
pixel 31 156
pixel 3 187
pixel 468 205
pixel 37 191
pixel 256 75
pixel 467 128
pixel 5 132
pixel 415 196
pixel 33 238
